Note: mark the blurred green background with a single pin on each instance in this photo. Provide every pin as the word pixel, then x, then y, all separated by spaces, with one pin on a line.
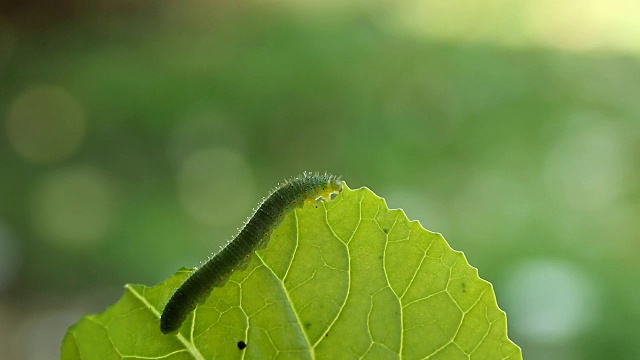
pixel 137 136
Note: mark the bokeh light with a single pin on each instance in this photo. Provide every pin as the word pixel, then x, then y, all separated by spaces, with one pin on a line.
pixel 74 207
pixel 205 129
pixel 551 301
pixel 45 123
pixel 583 25
pixel 216 186
pixel 571 25
pixel 589 166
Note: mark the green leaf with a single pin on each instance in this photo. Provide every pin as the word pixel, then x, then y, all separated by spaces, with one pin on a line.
pixel 344 279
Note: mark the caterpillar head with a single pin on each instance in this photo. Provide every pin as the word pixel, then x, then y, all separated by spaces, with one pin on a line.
pixel 333 186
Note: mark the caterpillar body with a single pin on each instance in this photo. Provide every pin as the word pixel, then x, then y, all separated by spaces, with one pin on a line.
pixel 304 189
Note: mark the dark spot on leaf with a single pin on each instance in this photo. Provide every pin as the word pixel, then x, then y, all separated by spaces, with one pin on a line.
pixel 464 287
pixel 386 231
pixel 242 345
pixel 307 325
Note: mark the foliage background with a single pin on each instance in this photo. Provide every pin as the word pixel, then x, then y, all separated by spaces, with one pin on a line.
pixel 135 138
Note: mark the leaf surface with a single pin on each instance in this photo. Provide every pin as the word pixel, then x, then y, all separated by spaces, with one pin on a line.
pixel 344 279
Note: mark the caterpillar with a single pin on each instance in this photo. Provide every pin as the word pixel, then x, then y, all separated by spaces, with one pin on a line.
pixel 307 188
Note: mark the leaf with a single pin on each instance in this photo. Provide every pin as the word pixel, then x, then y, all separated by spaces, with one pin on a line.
pixel 344 279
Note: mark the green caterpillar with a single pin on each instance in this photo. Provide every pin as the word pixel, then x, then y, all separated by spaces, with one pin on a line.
pixel 304 189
